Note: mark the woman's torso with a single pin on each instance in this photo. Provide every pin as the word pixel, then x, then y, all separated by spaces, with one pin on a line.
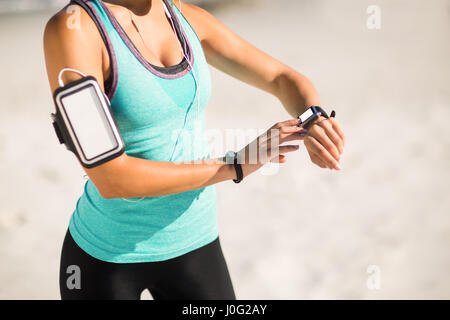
pixel 156 114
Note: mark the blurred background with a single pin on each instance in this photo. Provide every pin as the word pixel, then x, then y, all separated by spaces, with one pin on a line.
pixel 378 229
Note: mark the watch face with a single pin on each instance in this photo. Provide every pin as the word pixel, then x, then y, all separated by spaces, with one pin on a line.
pixel 306 115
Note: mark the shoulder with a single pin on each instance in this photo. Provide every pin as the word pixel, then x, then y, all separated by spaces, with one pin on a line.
pixel 71 25
pixel 71 39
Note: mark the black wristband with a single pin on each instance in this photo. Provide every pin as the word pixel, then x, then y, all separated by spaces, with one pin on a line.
pixel 238 168
pixel 231 158
pixel 317 109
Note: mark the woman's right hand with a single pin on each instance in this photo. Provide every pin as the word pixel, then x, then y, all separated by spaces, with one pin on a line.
pixel 267 147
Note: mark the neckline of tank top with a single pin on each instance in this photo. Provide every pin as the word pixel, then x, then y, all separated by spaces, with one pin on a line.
pixel 169 72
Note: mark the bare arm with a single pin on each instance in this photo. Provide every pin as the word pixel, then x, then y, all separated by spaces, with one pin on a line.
pixel 127 176
pixel 124 176
pixel 231 54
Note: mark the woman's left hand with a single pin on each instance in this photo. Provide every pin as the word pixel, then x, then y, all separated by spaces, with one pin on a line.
pixel 325 143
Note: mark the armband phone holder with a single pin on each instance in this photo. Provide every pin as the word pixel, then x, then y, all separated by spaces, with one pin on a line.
pixel 84 121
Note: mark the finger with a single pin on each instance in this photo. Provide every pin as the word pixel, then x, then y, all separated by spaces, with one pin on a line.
pixel 288 148
pixel 291 129
pixel 314 146
pixel 266 153
pixel 297 136
pixel 334 137
pixel 338 129
pixel 320 135
pixel 281 129
pixel 290 122
pixel 313 155
pixel 316 160
pixel 280 159
pixel 287 134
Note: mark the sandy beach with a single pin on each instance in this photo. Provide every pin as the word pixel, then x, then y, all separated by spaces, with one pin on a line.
pixel 304 232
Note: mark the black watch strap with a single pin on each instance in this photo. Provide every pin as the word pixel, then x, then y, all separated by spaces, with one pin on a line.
pixel 238 168
pixel 316 109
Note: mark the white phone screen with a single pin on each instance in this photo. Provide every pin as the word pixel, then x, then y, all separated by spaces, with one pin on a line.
pixel 89 122
pixel 305 116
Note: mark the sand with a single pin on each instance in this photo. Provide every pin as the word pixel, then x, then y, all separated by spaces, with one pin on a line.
pixel 305 232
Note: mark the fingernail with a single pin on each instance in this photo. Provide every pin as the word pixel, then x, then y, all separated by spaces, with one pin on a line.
pixel 333 114
pixel 338 167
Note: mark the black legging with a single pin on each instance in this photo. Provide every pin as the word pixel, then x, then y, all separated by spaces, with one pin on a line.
pixel 201 274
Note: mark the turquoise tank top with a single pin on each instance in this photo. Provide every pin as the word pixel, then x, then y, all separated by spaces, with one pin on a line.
pixel 156 115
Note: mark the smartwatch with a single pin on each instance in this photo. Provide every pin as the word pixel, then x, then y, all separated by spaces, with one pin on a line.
pixel 311 114
pixel 231 157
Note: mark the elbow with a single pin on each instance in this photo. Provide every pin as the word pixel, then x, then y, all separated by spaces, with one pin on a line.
pixel 109 191
pixel 114 180
pixel 107 179
pixel 116 192
pixel 115 189
pixel 108 186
